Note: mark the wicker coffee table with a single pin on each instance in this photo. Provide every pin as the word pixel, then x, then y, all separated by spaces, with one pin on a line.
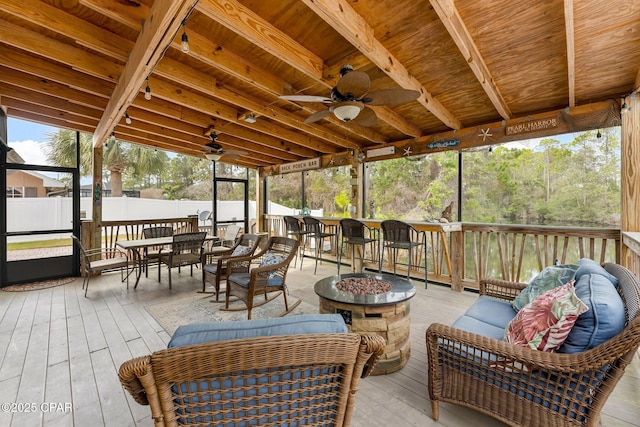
pixel 385 314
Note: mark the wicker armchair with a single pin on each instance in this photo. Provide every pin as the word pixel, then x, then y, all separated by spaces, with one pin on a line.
pixel 214 263
pixel 246 280
pixel 307 379
pixel 525 387
pixel 186 249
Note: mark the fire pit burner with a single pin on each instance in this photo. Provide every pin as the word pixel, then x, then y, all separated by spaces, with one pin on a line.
pixel 363 286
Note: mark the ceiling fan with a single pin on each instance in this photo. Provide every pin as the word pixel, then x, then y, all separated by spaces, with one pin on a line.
pixel 216 152
pixel 350 98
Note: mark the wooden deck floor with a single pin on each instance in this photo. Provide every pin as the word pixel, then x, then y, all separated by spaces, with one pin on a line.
pixel 62 350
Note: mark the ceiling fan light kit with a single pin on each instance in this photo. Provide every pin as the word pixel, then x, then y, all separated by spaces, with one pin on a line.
pixel 351 99
pixel 213 156
pixel 347 111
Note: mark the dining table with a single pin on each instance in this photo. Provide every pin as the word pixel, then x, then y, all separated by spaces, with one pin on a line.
pixel 137 246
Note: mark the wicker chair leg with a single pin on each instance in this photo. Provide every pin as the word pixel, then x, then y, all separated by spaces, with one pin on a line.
pixel 435 410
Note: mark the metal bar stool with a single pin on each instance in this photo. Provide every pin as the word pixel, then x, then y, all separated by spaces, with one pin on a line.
pixel 295 231
pixel 316 230
pixel 398 235
pixel 357 233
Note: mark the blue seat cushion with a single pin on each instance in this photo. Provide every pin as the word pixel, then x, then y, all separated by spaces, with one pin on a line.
pixel 243 279
pixel 476 326
pixel 493 311
pixel 211 268
pixel 604 319
pixel 197 333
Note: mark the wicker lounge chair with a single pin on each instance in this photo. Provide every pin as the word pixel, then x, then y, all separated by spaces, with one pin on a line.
pixel 248 280
pixel 214 263
pixel 525 387
pixel 304 379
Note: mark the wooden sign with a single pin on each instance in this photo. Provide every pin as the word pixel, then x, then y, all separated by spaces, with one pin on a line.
pixel 444 144
pixel 300 166
pixel 532 126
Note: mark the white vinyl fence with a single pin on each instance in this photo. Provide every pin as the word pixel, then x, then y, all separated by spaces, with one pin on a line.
pixel 53 213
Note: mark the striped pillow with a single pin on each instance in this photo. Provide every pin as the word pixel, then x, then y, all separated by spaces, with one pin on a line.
pixel 545 322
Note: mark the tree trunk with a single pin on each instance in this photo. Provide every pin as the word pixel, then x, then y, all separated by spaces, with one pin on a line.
pixel 116 183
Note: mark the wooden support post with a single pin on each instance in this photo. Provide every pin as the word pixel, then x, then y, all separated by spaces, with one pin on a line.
pixel 96 199
pixel 630 170
pixel 260 202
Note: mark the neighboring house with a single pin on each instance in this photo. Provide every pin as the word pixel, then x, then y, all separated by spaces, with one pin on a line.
pixel 22 183
pixel 86 190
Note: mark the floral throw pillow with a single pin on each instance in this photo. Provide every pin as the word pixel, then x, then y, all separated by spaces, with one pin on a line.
pixel 549 278
pixel 241 250
pixel 545 322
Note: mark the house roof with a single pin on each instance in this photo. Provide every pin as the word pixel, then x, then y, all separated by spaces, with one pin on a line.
pixel 489 70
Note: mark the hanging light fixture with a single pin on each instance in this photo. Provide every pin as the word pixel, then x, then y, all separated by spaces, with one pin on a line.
pixel 185 39
pixel 147 91
pixel 127 119
pixel 599 135
pixel 347 111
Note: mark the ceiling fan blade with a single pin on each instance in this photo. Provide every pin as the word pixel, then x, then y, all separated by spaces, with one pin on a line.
pixel 354 84
pixel 318 115
pixel 367 117
pixel 305 98
pixel 390 96
pixel 234 153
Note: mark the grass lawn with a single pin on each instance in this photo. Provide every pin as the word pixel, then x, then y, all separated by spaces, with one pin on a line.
pixel 53 243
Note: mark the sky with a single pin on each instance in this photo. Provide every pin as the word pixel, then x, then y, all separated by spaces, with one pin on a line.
pixel 27 138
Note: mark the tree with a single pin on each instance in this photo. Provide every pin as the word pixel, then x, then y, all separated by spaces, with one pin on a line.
pixel 60 149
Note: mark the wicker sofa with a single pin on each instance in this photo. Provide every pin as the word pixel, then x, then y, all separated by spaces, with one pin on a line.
pixel 470 365
pixel 295 370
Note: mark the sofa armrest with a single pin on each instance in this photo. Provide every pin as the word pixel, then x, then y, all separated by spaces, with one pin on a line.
pixel 571 385
pixel 501 289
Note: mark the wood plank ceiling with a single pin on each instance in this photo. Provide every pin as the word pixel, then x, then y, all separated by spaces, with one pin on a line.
pixel 84 64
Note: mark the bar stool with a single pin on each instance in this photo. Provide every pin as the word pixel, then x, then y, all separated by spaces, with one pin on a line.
pixel 295 231
pixel 316 230
pixel 398 235
pixel 357 233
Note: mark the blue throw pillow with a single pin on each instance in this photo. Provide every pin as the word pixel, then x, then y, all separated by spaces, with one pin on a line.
pixel 604 319
pixel 589 266
pixel 550 278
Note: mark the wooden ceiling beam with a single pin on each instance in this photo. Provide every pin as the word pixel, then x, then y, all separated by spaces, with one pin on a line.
pixel 105 69
pixel 241 20
pixel 346 21
pixel 157 33
pixel 571 52
pixel 216 56
pixel 458 31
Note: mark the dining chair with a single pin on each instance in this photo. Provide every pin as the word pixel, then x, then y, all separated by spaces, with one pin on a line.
pixel 186 249
pixel 261 274
pixel 358 234
pixel 295 231
pixel 153 252
pixel 316 230
pixel 214 263
pixel 101 259
pixel 398 235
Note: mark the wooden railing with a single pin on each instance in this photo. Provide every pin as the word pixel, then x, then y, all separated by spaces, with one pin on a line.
pixel 631 242
pixel 460 254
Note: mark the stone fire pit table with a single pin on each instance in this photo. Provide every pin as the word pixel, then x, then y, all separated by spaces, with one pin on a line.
pixel 385 314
